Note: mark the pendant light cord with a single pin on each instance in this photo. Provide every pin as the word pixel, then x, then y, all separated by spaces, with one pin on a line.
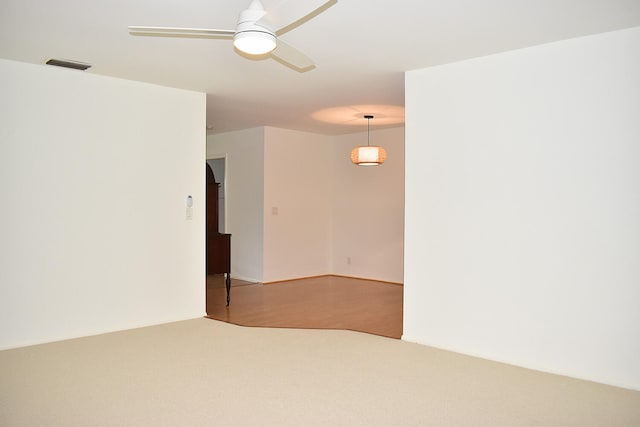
pixel 368 117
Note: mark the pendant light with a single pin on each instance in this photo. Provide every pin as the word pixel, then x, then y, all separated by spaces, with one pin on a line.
pixel 368 155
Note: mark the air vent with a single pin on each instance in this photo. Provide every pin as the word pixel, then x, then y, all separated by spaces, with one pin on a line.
pixel 68 64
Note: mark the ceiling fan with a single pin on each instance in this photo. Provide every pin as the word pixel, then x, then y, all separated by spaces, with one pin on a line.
pixel 257 30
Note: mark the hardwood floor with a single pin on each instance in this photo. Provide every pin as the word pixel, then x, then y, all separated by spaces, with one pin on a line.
pixel 326 302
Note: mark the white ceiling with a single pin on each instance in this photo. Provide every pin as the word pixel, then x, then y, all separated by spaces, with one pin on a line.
pixel 361 48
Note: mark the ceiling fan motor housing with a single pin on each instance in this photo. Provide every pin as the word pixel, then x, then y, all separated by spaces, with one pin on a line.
pixel 251 38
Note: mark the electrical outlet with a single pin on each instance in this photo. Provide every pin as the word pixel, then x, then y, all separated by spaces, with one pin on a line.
pixel 348 260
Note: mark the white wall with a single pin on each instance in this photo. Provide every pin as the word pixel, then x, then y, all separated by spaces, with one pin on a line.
pixel 94 175
pixel 368 208
pixel 523 207
pixel 297 210
pixel 244 152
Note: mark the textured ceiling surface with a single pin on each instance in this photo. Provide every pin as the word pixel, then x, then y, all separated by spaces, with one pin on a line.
pixel 361 49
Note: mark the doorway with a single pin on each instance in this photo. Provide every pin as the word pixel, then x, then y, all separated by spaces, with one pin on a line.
pixel 219 167
pixel 218 244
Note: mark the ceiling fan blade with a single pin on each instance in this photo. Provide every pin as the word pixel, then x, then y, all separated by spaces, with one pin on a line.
pixel 291 56
pixel 179 32
pixel 290 12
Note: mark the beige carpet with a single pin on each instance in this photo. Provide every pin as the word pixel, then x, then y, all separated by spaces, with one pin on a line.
pixel 202 372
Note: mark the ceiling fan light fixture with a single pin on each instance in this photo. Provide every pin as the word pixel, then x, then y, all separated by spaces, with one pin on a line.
pixel 368 155
pixel 256 29
pixel 254 42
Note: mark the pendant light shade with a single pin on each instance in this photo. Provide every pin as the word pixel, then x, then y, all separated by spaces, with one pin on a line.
pixel 368 155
